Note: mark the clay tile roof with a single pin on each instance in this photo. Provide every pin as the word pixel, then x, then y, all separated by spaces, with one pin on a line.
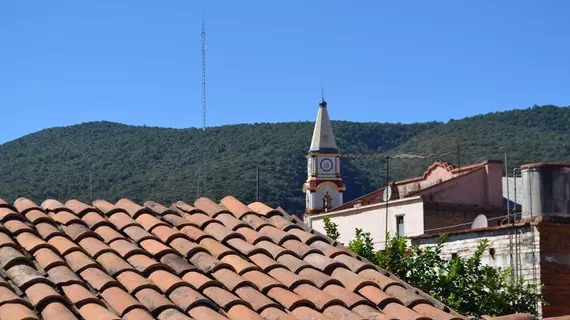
pixel 217 261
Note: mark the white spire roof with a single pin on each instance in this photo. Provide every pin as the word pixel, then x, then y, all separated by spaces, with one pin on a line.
pixel 323 137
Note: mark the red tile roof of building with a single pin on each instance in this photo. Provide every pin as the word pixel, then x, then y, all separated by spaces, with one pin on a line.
pixel 376 196
pixel 203 261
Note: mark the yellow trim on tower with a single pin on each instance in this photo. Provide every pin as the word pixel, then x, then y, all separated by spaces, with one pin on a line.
pixel 328 183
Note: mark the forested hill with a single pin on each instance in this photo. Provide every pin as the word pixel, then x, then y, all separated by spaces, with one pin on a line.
pixel 110 161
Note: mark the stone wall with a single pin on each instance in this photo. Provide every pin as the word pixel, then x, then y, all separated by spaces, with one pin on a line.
pixel 555 267
pixel 517 247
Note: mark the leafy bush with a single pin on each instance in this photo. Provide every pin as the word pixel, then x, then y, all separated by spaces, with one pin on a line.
pixel 331 228
pixel 363 246
pixel 464 284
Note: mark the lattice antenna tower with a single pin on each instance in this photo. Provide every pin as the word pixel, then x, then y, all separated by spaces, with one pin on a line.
pixel 202 165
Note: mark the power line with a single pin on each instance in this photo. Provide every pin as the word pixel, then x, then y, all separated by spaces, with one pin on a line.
pixel 394 156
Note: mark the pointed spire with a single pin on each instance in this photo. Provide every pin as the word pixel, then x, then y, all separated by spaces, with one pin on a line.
pixel 323 137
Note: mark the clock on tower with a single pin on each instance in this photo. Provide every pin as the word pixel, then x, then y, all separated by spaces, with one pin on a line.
pixel 324 186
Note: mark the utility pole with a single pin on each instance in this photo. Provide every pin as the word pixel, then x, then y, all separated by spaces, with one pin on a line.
pixel 257 185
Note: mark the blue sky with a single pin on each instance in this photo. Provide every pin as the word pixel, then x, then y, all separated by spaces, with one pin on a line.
pixel 138 62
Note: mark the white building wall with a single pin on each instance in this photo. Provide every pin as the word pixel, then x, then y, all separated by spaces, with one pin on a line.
pixel 520 245
pixel 372 218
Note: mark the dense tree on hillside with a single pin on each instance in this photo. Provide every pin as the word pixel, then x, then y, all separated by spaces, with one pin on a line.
pixel 162 164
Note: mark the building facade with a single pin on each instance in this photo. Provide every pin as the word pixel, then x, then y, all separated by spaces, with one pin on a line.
pixel 444 198
pixel 324 187
pixel 535 239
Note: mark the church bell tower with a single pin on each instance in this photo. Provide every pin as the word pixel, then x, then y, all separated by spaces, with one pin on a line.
pixel 323 188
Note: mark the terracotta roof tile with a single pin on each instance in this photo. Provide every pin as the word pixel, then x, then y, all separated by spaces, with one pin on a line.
pixel 94 220
pixel 181 205
pixel 318 278
pixel 256 222
pixel 323 263
pixel 349 298
pixel 231 222
pixel 223 297
pixel 23 205
pixel 288 299
pixel 172 314
pixel 137 233
pixel 274 250
pixel 36 216
pixel 16 227
pixel 154 301
pixel 263 209
pixel 79 261
pixel 252 236
pixel 79 207
pixel 62 275
pixel 401 312
pixel 239 264
pixel 187 298
pixel 276 314
pixel 98 279
pixel 149 222
pixel 94 311
pixel 176 220
pixel 195 233
pixel 240 312
pixel 340 312
pixel 288 278
pixel 215 248
pixel 178 264
pixel 133 209
pixel 379 278
pixel 307 313
pixel 434 313
pixel 377 296
pixel 262 281
pixel 113 263
pixel 122 221
pixel 108 234
pixel 367 312
pixel 319 298
pixel 205 205
pixel 200 220
pixel 95 247
pixel 205 313
pixel 245 247
pixel 138 314
pixel 264 262
pixel 120 301
pixel 212 261
pixel 256 299
pixel 79 295
pixel 7 214
pixel 156 248
pixel 207 263
pixel 408 298
pixel 199 281
pixel 17 311
pixel 48 231
pixel 299 248
pixel 231 280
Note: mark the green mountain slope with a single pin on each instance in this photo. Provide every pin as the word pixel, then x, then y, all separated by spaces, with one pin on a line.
pixel 111 161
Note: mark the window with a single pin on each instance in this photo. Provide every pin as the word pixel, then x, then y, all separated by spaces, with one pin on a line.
pixel 400 225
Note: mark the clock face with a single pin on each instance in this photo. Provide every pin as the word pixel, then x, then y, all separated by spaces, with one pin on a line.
pixel 326 164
